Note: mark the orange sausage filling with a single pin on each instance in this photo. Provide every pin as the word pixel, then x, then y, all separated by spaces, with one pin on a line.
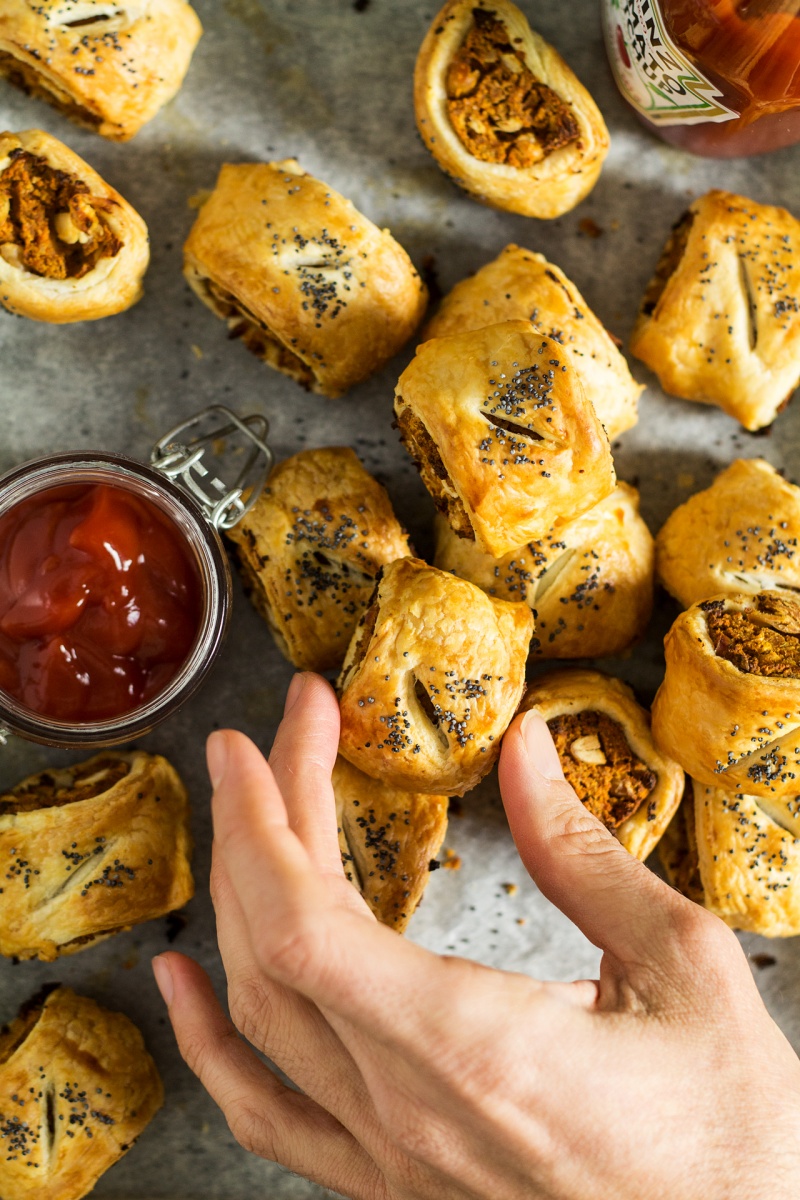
pixel 53 219
pixel 668 263
pixel 425 453
pixel 258 339
pixel 763 640
pixel 88 780
pixel 600 765
pixel 499 110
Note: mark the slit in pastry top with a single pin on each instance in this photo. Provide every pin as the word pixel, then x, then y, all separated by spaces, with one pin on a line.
pixel 500 111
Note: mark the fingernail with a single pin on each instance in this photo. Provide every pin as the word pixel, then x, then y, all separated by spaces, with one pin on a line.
pixel 540 746
pixel 295 688
pixel 163 977
pixel 216 756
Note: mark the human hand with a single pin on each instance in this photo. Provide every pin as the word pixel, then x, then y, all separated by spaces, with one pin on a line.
pixel 425 1076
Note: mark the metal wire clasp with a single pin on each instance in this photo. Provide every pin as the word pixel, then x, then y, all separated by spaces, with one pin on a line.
pixel 182 459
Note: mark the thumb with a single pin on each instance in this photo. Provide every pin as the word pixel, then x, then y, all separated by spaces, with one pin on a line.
pixel 619 904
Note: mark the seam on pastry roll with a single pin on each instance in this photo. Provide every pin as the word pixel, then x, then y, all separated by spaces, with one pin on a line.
pixel 720 320
pixel 77 1088
pixel 729 706
pixel 71 248
pixel 431 680
pixel 108 65
pixel 503 114
pixel 388 838
pixel 741 858
pixel 739 535
pixel 522 285
pixel 91 850
pixel 590 585
pixel 608 754
pixel 310 551
pixel 301 276
pixel 512 448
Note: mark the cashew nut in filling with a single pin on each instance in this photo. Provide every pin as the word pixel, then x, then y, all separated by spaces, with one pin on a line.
pixel 71 248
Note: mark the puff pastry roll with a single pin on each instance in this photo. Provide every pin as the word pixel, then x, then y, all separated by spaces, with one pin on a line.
pixel 590 585
pixel 522 285
pixel 503 114
pixel 739 856
pixel 388 839
pixel 71 249
pixel 77 1088
pixel 739 535
pixel 311 286
pixel 729 707
pixel 720 320
pixel 608 755
pixel 89 851
pixel 310 551
pixel 432 678
pixel 109 65
pixel 504 437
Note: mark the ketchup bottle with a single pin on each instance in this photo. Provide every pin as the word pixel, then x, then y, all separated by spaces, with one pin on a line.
pixel 719 78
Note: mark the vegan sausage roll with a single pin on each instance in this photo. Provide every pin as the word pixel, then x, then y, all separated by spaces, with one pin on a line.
pixel 89 851
pixel 504 437
pixel 739 856
pixel 739 535
pixel 310 551
pixel 608 756
pixel 307 283
pixel 388 838
pixel 720 320
pixel 590 585
pixel 431 681
pixel 109 65
pixel 729 707
pixel 503 114
pixel 71 249
pixel 77 1088
pixel 522 285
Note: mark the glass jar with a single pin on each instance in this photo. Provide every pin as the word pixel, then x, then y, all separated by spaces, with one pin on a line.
pixel 719 78
pixel 196 505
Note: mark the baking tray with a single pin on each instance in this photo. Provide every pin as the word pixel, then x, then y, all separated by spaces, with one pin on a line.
pixel 330 82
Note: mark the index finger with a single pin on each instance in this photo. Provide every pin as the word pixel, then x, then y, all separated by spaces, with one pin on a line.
pixel 302 935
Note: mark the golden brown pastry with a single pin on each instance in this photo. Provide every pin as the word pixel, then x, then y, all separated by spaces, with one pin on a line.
pixel 504 437
pixel 607 754
pixel 311 548
pixel 739 856
pixel 503 114
pixel 388 839
pixel 309 284
pixel 71 249
pixel 91 850
pixel 522 285
pixel 590 585
pixel 720 320
pixel 729 707
pixel 432 678
pixel 739 535
pixel 108 66
pixel 77 1088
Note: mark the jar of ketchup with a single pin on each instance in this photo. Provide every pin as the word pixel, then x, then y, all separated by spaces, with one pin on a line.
pixel 115 588
pixel 719 78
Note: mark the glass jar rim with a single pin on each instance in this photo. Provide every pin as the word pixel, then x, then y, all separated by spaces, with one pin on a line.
pixel 55 470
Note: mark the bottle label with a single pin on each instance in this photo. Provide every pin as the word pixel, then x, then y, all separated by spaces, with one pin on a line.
pixel 652 72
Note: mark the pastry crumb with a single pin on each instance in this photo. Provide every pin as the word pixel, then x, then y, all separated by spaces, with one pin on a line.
pixel 452 861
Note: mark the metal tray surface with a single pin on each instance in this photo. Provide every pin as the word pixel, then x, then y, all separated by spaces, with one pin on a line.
pixel 330 82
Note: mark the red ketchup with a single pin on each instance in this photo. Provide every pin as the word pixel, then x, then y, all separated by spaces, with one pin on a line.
pixel 100 602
